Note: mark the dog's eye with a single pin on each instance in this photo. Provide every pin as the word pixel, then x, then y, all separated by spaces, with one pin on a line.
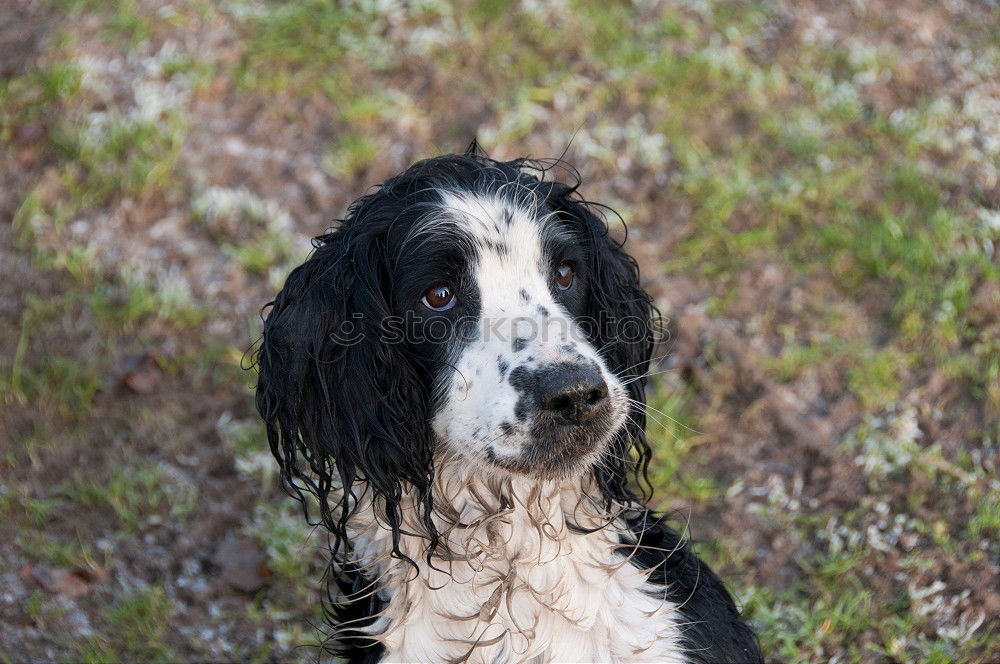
pixel 564 275
pixel 439 297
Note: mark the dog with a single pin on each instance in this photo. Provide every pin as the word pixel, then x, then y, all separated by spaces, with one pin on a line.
pixel 457 374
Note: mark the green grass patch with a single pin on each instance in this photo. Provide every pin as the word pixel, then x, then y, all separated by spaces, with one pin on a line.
pixel 138 626
pixel 67 382
pixel 135 495
pixel 875 379
pixel 122 20
pixel 292 552
pixel 670 432
pixel 37 95
pixel 111 155
pixel 986 520
pixel 100 311
pixel 268 249
pixel 56 551
pixel 350 156
pixel 306 44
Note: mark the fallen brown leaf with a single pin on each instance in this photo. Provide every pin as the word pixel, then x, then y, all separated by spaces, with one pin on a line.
pixel 74 582
pixel 242 562
pixel 142 373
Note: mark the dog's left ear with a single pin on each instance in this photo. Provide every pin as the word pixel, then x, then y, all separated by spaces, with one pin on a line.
pixel 345 409
pixel 619 320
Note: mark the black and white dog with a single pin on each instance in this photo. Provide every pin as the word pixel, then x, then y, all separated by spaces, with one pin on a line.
pixel 457 373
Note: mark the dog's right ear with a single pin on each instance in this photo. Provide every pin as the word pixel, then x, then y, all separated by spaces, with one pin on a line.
pixel 342 406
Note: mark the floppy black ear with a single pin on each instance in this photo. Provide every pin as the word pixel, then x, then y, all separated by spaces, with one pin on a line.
pixel 619 320
pixel 342 406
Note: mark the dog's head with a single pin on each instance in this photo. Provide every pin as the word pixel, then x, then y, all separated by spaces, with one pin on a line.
pixel 469 311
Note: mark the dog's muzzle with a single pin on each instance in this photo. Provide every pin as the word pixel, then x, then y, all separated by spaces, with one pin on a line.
pixel 568 414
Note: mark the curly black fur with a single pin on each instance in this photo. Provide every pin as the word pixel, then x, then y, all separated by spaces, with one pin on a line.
pixel 715 633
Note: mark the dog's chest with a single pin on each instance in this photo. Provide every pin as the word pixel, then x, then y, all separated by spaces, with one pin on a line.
pixel 530 591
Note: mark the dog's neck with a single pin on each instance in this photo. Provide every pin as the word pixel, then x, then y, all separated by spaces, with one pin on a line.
pixel 524 569
pixel 470 504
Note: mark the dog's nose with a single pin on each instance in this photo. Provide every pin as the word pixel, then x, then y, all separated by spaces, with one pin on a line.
pixel 571 392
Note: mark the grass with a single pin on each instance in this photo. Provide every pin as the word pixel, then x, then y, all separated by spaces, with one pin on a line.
pixel 110 309
pixel 669 427
pixel 830 608
pixel 123 22
pixel 65 553
pixel 351 155
pixel 986 520
pixel 67 382
pixel 290 549
pixel 137 628
pixel 138 496
pixel 111 154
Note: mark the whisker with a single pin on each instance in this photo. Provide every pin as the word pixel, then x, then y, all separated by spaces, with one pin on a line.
pixel 648 408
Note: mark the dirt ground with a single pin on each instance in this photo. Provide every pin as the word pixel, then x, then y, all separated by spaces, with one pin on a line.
pixel 812 190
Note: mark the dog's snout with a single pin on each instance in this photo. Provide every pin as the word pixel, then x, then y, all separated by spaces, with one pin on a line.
pixel 571 392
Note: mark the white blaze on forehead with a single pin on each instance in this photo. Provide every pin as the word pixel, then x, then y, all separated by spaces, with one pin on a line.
pixel 508 236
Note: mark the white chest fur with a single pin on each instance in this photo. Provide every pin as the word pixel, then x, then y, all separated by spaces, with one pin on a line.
pixel 517 584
